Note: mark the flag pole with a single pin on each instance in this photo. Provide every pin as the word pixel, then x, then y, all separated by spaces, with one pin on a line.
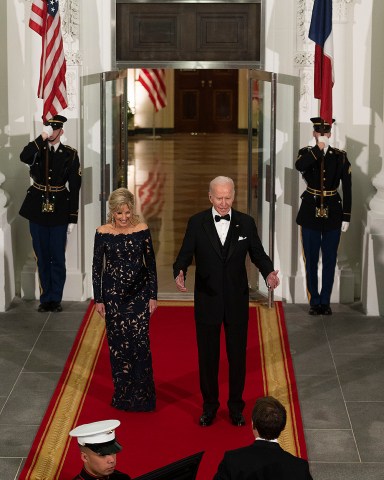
pixel 154 136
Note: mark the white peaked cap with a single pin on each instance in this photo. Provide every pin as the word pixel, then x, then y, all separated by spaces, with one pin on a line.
pixel 96 432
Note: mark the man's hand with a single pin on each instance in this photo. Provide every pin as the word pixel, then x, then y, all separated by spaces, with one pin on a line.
pixel 272 280
pixel 180 282
pixel 70 228
pixel 47 132
pixel 344 226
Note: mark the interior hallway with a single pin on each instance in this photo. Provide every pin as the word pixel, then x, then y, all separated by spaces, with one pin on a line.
pixel 338 360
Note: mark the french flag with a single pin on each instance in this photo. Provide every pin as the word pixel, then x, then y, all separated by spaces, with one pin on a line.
pixel 320 32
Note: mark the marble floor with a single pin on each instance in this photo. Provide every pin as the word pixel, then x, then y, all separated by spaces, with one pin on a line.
pixel 338 363
pixel 338 360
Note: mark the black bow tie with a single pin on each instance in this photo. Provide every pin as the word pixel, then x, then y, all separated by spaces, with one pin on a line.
pixel 225 217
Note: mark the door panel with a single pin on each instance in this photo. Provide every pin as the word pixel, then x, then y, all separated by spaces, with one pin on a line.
pixel 171 31
pixel 206 101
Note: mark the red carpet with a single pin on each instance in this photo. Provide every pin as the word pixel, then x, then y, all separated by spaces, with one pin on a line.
pixel 151 440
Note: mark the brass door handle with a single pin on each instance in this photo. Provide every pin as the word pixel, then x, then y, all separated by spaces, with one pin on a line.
pixel 203 83
pixel 209 83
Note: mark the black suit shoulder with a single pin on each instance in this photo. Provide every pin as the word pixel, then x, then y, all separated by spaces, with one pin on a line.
pixel 242 216
pixel 203 215
pixel 262 460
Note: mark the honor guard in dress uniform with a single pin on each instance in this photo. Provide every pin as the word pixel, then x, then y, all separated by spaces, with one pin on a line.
pixel 323 214
pixel 51 206
pixel 98 447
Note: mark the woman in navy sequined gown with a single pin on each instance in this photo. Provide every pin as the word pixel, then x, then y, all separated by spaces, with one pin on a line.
pixel 125 292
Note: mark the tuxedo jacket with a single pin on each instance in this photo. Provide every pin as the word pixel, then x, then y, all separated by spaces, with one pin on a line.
pixel 337 169
pixel 262 461
pixel 221 283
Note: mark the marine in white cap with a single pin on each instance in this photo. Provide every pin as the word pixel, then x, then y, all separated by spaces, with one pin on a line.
pixel 98 447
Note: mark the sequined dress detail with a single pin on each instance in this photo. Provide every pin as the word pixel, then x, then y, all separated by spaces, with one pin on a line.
pixel 124 279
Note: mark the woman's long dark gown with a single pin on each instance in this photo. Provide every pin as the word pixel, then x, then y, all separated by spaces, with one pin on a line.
pixel 124 279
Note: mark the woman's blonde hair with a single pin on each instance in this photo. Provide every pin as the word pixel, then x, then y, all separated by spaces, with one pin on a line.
pixel 118 198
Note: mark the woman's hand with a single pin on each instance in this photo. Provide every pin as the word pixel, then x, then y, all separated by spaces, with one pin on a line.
pixel 152 305
pixel 100 309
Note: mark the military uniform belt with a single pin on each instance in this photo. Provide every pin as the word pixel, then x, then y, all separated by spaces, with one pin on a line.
pixel 49 188
pixel 325 193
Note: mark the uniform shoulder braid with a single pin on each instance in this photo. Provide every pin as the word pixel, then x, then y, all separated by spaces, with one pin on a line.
pixel 338 150
pixel 307 148
pixel 303 150
pixel 70 148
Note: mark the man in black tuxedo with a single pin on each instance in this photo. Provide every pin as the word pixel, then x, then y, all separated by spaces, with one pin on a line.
pixel 219 239
pixel 264 459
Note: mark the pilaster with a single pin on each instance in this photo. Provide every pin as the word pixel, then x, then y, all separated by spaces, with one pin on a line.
pixel 7 277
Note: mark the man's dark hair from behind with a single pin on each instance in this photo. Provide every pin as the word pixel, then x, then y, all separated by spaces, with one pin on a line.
pixel 269 417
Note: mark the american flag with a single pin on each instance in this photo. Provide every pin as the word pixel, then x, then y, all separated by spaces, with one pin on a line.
pixel 153 80
pixel 45 20
pixel 320 32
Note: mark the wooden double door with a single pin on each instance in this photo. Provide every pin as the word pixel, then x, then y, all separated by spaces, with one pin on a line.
pixel 206 100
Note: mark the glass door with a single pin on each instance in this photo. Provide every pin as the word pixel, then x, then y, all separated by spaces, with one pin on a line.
pixel 169 171
pixel 272 141
pixel 104 151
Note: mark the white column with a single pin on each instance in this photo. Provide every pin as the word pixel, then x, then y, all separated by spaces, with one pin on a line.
pixel 373 252
pixel 7 277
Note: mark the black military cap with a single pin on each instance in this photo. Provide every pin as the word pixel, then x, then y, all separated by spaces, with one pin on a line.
pixel 56 122
pixel 318 122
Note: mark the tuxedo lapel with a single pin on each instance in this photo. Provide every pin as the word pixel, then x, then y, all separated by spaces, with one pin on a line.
pixel 233 234
pixel 211 232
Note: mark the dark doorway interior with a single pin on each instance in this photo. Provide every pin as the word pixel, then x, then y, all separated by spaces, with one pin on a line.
pixel 206 100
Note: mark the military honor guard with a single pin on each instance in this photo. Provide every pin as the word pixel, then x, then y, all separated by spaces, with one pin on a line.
pixel 51 206
pixel 98 448
pixel 323 213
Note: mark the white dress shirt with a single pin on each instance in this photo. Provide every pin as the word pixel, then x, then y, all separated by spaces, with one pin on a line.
pixel 222 227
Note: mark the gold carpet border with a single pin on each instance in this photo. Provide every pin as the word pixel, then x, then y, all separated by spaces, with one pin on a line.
pixel 175 303
pixel 276 375
pixel 53 445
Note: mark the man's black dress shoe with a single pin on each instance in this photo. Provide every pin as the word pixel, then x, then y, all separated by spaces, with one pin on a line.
pixel 206 419
pixel 44 307
pixel 237 419
pixel 56 307
pixel 315 310
pixel 326 310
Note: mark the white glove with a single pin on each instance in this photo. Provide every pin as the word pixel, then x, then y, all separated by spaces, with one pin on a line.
pixel 323 139
pixel 344 226
pixel 70 228
pixel 48 130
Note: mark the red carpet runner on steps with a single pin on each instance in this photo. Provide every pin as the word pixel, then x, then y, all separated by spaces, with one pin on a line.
pixel 151 440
